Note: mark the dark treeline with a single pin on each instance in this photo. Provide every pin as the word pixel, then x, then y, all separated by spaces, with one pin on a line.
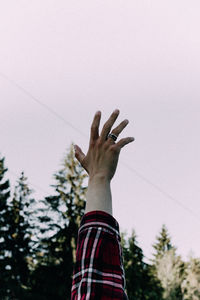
pixel 38 243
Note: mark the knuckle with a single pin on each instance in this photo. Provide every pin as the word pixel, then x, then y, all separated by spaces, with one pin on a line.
pixel 116 131
pixel 106 125
pixel 92 144
pixel 106 145
pixel 114 149
pixel 99 143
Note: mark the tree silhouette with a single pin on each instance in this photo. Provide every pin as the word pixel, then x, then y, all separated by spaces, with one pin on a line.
pixel 5 272
pixel 141 283
pixel 56 255
pixel 163 243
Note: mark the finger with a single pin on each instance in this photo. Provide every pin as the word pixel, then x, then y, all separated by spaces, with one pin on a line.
pixel 94 133
pixel 108 125
pixel 112 138
pixel 120 127
pixel 79 154
pixel 123 142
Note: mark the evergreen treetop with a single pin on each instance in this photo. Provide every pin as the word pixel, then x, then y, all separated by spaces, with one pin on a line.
pixel 163 243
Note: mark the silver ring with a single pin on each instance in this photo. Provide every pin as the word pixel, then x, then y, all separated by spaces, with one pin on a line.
pixel 112 136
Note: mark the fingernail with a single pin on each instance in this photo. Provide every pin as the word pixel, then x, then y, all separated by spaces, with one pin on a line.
pixel 116 111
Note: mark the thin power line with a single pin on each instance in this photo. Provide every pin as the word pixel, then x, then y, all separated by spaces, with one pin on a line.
pixel 80 132
pixel 161 191
pixel 49 109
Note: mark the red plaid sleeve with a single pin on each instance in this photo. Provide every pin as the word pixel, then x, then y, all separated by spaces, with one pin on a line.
pixel 98 272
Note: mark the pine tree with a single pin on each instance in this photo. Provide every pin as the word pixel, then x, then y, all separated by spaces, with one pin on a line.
pixel 4 218
pixel 141 283
pixel 163 243
pixel 133 265
pixel 56 255
pixel 191 283
pixel 18 241
pixel 20 236
pixel 170 271
pixel 168 266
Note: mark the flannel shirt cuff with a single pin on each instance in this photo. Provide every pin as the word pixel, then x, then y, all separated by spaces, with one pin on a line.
pixel 100 218
pixel 98 272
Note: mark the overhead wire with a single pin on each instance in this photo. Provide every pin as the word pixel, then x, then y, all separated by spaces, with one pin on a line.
pixel 166 194
pixel 53 112
pixel 49 109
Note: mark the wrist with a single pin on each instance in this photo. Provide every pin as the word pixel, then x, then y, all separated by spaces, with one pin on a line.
pixel 99 194
pixel 99 178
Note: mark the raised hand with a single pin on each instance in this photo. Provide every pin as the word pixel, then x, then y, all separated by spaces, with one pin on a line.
pixel 103 153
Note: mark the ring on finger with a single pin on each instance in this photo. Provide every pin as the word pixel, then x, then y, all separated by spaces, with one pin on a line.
pixel 112 136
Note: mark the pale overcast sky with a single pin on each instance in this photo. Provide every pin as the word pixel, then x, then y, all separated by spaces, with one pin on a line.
pixel 78 57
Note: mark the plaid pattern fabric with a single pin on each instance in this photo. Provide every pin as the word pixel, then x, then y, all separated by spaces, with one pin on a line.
pixel 98 272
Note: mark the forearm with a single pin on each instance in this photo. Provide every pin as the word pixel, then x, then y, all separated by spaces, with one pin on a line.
pixel 98 195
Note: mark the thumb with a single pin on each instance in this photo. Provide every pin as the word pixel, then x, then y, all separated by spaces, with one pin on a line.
pixel 79 153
